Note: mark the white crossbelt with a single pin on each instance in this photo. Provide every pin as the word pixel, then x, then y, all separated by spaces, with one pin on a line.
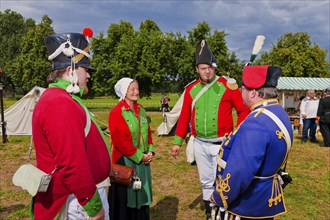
pixel 279 123
pixel 202 91
pixel 221 162
pixel 104 183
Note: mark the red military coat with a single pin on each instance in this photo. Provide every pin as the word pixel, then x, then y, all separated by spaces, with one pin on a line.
pixel 81 162
pixel 211 116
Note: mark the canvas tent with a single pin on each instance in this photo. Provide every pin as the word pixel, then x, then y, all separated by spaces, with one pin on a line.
pixel 19 116
pixel 167 127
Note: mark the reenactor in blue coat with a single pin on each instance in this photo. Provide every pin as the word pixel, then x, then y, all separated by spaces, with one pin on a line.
pixel 248 185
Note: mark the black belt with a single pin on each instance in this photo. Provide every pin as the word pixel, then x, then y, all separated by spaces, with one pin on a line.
pixel 210 142
pixel 216 143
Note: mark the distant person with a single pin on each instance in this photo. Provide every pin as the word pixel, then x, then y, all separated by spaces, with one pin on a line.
pixel 308 110
pixel 165 107
pixel 131 146
pixel 68 141
pixel 161 102
pixel 247 184
pixel 301 124
pixel 323 116
pixel 208 105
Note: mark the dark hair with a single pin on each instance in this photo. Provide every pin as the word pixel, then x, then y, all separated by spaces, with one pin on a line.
pixel 55 74
pixel 302 97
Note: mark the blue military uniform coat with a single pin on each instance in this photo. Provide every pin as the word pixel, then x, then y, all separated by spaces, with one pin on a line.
pixel 248 185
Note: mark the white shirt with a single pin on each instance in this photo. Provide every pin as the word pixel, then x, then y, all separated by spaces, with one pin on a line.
pixel 309 107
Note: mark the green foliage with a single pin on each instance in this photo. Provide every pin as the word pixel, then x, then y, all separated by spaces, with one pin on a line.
pixel 161 62
pixel 202 31
pixel 151 53
pixel 181 67
pixel 12 29
pixel 114 56
pixel 30 67
pixel 297 56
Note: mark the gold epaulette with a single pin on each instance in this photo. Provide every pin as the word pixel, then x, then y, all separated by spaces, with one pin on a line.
pixel 231 84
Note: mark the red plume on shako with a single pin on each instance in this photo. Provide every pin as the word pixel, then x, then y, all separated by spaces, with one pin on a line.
pixel 88 32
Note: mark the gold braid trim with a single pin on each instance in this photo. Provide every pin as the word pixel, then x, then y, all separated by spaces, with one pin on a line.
pixel 235 130
pixel 277 193
pixel 223 186
pixel 220 155
pixel 280 134
pixel 202 47
pixel 227 141
pixel 258 112
pixel 79 56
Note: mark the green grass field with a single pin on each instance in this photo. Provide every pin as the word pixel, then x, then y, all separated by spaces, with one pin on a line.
pixel 176 187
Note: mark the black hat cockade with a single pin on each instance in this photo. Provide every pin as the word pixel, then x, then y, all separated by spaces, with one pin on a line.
pixel 256 77
pixel 70 49
pixel 204 55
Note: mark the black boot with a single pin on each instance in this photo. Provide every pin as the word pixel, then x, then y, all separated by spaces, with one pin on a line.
pixel 208 209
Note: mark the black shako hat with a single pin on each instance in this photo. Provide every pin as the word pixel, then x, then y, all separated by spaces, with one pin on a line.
pixel 256 77
pixel 64 48
pixel 204 55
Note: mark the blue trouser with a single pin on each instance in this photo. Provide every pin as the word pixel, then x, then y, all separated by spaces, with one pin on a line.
pixel 309 124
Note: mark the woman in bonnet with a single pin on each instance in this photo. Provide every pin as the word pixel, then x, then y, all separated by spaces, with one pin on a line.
pixel 131 146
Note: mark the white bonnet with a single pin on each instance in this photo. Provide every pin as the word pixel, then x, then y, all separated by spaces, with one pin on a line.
pixel 121 87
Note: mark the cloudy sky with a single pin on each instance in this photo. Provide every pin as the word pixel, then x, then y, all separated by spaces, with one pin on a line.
pixel 242 20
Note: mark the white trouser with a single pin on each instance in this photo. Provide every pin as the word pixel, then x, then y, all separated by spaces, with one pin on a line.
pixel 73 210
pixel 205 155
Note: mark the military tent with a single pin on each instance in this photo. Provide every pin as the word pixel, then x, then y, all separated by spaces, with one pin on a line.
pixel 18 117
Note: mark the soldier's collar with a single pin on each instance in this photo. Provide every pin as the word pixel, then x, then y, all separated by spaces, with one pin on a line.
pixel 63 84
pixel 264 103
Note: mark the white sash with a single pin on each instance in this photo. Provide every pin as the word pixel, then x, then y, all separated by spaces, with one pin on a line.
pixel 202 91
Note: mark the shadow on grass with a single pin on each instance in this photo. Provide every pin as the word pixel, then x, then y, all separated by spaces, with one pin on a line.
pixel 6 211
pixel 198 200
pixel 167 208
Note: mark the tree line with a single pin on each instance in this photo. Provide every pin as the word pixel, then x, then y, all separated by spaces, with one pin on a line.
pixel 161 62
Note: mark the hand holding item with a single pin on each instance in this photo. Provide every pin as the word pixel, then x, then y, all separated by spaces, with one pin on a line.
pixel 212 199
pixel 151 154
pixel 146 159
pixel 99 215
pixel 175 151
